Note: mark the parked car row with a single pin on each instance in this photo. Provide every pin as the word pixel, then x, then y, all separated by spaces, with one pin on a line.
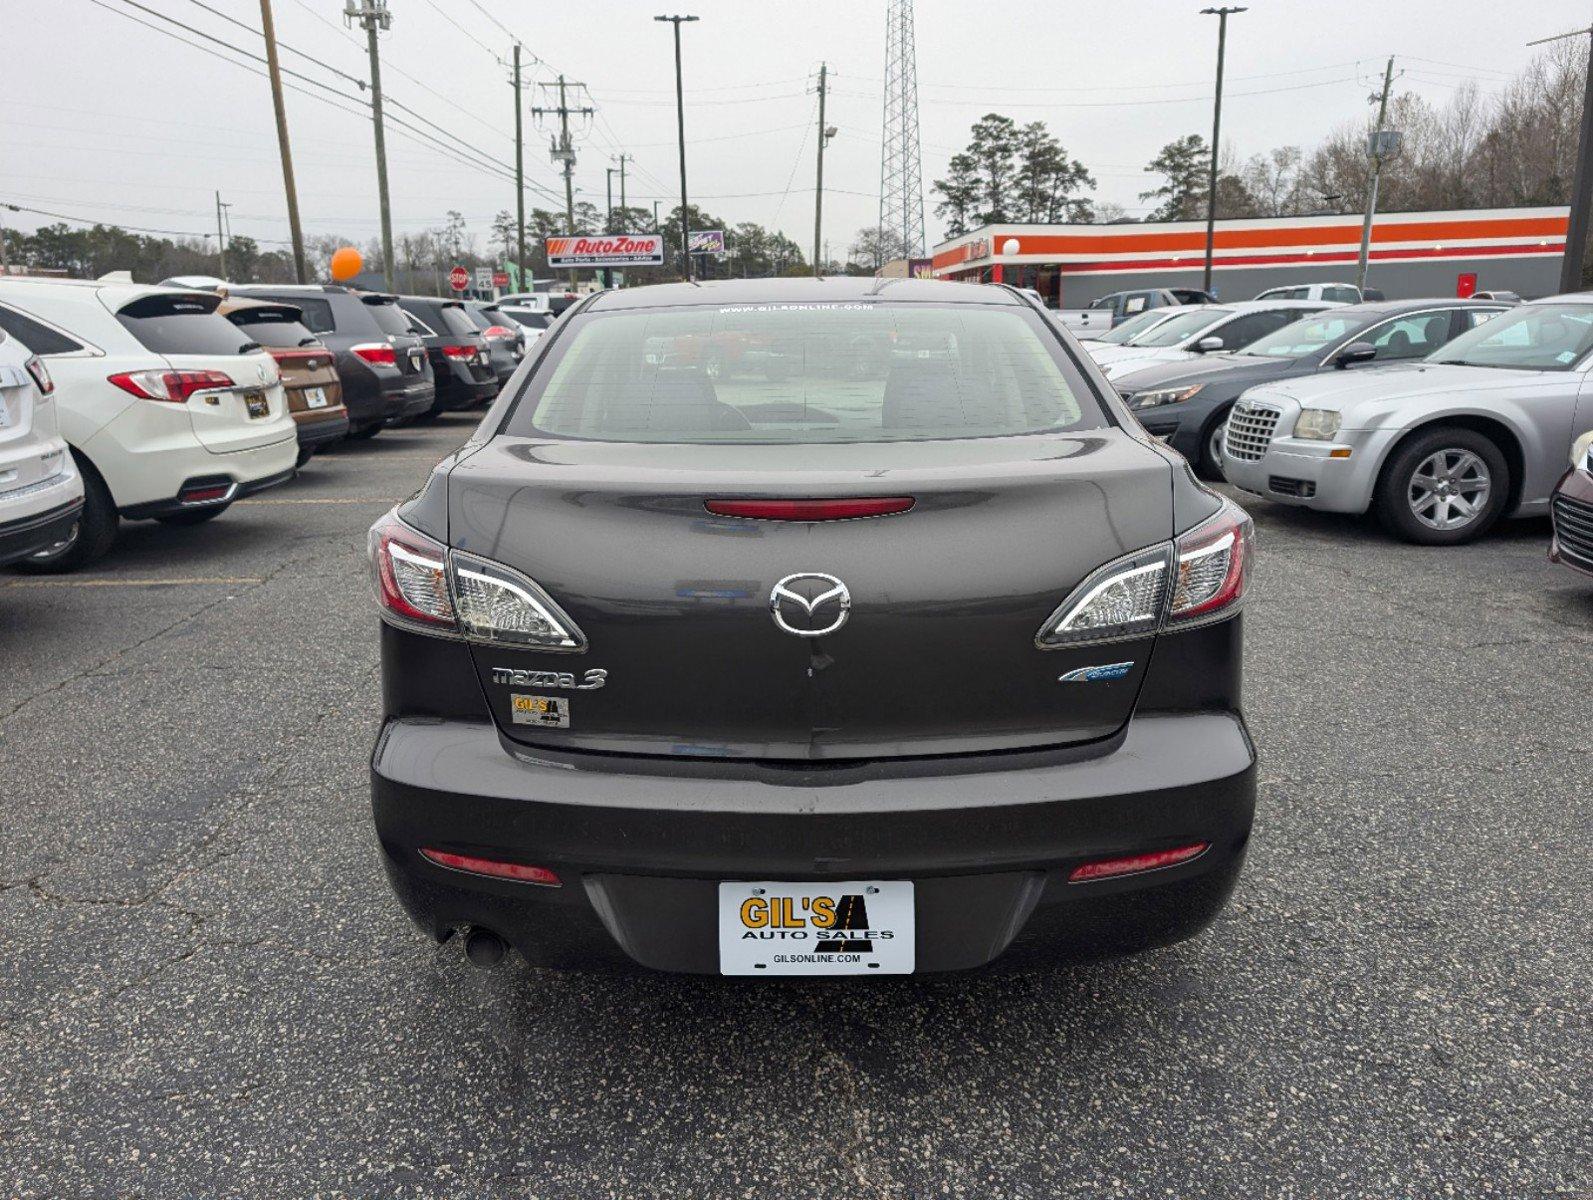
pixel 129 401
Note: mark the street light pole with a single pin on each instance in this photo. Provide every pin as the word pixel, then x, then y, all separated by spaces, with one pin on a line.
pixel 1216 136
pixel 680 123
pixel 1582 188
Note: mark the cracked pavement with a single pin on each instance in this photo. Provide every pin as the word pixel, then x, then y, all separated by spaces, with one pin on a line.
pixel 208 990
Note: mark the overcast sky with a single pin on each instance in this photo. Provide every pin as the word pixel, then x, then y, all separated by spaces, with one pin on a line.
pixel 103 119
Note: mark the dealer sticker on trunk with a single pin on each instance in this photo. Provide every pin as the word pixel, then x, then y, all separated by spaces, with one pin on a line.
pixel 855 928
pixel 551 712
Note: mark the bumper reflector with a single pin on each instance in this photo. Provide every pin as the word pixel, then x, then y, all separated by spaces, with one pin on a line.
pixel 518 872
pixel 1111 868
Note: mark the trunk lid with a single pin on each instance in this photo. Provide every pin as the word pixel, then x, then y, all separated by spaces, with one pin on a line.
pixel 946 598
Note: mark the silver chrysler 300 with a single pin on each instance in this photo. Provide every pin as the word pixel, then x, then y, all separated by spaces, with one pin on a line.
pixel 1441 448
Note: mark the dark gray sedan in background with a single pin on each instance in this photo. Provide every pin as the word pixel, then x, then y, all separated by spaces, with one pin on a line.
pixel 1186 403
pixel 888 644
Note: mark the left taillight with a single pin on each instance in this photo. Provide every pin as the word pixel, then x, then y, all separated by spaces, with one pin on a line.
pixel 41 376
pixel 423 585
pixel 411 576
pixel 173 386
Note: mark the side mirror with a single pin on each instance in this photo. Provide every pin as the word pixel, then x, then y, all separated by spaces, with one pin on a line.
pixel 1209 345
pixel 1355 352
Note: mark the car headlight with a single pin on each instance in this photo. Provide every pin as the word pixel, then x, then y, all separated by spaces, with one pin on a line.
pixel 1161 396
pixel 1319 424
pixel 1582 452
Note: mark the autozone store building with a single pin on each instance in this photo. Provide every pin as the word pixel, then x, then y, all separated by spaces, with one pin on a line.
pixel 1412 254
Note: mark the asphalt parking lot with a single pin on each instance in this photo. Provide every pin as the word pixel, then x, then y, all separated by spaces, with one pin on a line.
pixel 210 992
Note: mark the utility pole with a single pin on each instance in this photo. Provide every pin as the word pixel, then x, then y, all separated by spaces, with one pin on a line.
pixel 5 265
pixel 221 238
pixel 680 123
pixel 622 159
pixel 373 15
pixel 1216 137
pixel 656 229
pixel 295 230
pixel 1377 148
pixel 1582 189
pixel 826 132
pixel 563 149
pixel 608 211
pixel 519 176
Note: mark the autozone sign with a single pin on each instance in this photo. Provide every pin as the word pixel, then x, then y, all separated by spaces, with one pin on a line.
pixel 606 250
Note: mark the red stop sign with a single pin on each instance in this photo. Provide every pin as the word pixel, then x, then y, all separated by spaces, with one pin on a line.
pixel 500 279
pixel 459 279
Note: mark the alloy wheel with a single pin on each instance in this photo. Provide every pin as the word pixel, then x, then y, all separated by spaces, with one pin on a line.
pixel 1449 489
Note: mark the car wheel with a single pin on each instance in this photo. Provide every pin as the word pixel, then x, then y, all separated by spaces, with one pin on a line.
pixel 90 538
pixel 1443 488
pixel 194 516
pixel 1209 467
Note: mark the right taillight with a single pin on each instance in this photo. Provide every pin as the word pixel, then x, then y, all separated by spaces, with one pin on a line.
pixel 421 584
pixel 1198 577
pixel 376 352
pixel 41 376
pixel 1213 567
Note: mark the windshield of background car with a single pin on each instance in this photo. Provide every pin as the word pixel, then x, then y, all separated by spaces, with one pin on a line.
pixel 1184 325
pixel 389 317
pixel 1304 337
pixel 176 324
pixel 1539 337
pixel 805 373
pixel 271 327
pixel 1133 327
pixel 529 318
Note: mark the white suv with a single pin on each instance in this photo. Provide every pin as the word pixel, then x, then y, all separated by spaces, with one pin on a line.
pixel 41 493
pixel 170 411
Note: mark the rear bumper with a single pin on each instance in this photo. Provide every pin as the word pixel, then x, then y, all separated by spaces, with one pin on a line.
pixel 409 396
pixel 318 429
pixel 30 534
pixel 989 848
pixel 235 491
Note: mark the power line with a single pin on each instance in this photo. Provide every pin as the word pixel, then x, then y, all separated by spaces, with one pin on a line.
pixel 130 228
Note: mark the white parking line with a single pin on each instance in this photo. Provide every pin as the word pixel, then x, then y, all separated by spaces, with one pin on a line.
pixel 217 580
pixel 328 500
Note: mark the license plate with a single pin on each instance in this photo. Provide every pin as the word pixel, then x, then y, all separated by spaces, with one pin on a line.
pixel 853 928
pixel 550 712
pixel 414 359
pixel 257 404
pixel 314 397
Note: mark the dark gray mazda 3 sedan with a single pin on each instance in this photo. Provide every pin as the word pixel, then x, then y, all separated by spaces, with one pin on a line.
pixel 811 627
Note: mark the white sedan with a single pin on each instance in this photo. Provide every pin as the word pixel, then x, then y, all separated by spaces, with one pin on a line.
pixel 1202 329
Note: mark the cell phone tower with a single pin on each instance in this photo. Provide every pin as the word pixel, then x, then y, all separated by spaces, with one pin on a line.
pixel 901 177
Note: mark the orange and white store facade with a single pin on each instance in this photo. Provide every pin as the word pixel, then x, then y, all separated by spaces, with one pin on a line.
pixel 1413 254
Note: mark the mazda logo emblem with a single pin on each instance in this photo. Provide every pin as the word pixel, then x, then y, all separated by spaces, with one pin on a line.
pixel 810 604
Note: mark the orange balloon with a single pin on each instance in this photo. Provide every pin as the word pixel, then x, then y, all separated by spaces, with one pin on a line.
pixel 346 263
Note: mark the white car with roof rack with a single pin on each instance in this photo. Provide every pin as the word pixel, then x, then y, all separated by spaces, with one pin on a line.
pixel 169 411
pixel 41 492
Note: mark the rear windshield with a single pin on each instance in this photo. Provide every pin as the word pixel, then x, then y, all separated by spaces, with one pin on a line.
pixel 1184 325
pixel 455 321
pixel 478 319
pixel 273 328
pixel 529 318
pixel 805 373
pixel 183 325
pixel 388 317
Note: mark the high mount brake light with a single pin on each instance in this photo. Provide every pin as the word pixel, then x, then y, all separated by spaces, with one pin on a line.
pixel 810 510
pixel 376 352
pixel 1198 577
pixel 173 386
pixel 421 584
